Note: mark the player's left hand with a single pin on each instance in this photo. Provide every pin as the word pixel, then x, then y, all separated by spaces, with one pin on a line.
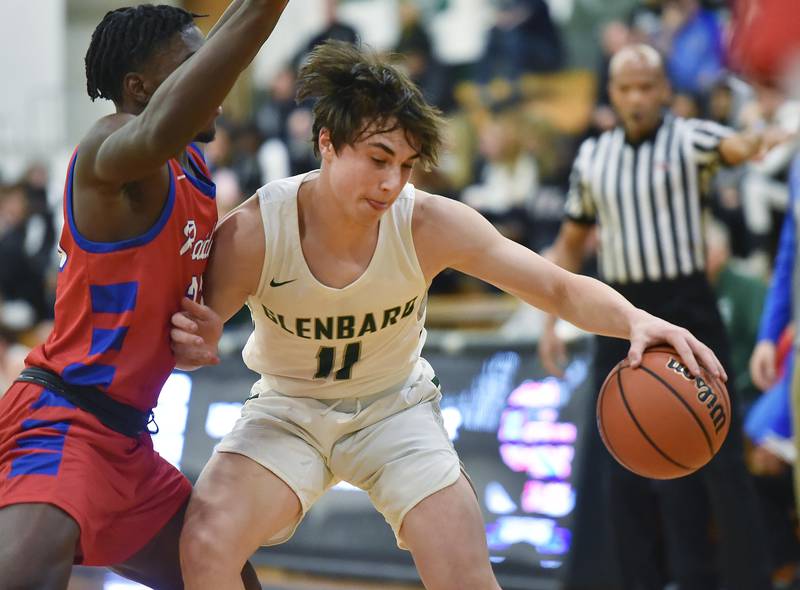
pixel 196 331
pixel 648 330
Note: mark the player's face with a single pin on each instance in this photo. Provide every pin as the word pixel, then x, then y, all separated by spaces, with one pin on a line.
pixel 179 49
pixel 638 92
pixel 367 177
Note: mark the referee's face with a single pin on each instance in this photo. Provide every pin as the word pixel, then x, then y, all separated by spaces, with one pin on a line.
pixel 638 92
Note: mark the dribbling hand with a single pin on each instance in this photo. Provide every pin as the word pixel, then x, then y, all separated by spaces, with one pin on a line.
pixel 648 330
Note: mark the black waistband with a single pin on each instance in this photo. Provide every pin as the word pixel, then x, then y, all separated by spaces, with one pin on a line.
pixel 117 416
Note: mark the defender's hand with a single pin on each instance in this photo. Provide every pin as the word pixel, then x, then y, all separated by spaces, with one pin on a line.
pixel 196 331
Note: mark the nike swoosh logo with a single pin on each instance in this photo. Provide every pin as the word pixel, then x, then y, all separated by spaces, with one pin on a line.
pixel 274 283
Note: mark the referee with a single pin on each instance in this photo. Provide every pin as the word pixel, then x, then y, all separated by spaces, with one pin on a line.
pixel 644 185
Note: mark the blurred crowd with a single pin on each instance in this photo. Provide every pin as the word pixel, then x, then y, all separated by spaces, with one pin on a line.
pixel 515 117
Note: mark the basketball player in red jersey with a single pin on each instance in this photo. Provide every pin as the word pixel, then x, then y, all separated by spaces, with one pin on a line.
pixel 79 479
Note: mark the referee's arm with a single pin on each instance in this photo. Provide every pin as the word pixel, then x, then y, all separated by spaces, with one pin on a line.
pixel 714 144
pixel 568 251
pixel 740 147
pixel 569 247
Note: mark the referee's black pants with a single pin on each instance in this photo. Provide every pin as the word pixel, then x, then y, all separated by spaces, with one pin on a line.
pixel 710 522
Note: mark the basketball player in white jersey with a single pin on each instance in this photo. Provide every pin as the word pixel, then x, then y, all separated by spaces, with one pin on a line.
pixel 334 266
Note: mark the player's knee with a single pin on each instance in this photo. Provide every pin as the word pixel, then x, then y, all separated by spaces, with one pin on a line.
pixel 202 545
pixel 475 576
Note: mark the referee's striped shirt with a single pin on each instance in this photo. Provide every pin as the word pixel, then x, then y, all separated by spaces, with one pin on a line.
pixel 647 198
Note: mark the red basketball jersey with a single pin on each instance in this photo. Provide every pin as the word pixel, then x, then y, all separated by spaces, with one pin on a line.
pixel 114 300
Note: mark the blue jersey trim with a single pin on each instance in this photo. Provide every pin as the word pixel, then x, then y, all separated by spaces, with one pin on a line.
pixel 94 375
pixel 199 151
pixel 114 298
pixel 105 340
pixel 44 442
pixel 198 178
pixel 36 464
pixel 50 399
pixel 105 247
pixel 59 426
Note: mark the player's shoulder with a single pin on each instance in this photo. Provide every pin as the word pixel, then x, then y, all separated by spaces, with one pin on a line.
pixel 102 129
pixel 283 189
pixel 238 232
pixel 91 142
pixel 245 217
pixel 435 213
pixel 427 205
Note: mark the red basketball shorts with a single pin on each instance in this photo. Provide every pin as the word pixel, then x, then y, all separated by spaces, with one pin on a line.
pixel 117 488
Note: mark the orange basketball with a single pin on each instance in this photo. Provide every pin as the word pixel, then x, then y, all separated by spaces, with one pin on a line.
pixel 659 420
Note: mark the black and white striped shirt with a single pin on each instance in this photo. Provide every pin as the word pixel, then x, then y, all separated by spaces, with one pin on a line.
pixel 648 198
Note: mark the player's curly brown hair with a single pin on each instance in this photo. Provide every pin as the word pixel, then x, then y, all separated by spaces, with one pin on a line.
pixel 355 91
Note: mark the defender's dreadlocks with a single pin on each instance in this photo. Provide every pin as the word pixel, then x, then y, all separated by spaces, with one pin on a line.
pixel 124 40
pixel 353 88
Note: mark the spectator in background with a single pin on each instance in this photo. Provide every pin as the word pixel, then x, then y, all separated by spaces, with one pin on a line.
pixel 247 140
pixel 334 29
pixel 693 45
pixel 27 241
pixel 274 106
pixel 509 177
pixel 420 63
pixel 764 190
pixel 523 39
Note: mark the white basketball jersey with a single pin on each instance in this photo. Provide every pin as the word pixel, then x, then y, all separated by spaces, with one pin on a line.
pixel 312 340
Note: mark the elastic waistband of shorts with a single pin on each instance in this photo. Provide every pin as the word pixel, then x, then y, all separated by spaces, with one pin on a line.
pixel 421 371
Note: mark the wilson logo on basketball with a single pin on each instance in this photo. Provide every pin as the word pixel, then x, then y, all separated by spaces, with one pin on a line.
pixel 705 394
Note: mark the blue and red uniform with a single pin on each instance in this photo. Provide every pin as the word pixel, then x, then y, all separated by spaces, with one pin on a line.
pixel 112 322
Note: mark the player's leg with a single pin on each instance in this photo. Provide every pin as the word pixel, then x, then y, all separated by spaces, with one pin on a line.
pixel 236 505
pixel 446 537
pixel 402 456
pixel 158 564
pixel 38 547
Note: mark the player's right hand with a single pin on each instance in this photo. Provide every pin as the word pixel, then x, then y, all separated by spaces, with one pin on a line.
pixel 552 351
pixel 762 365
pixel 196 331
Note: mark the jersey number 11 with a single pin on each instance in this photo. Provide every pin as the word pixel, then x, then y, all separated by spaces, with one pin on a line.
pixel 327 355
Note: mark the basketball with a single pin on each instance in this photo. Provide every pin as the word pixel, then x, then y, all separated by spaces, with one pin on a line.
pixel 659 420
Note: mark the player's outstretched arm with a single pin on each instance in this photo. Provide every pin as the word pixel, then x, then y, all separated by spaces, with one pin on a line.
pixel 188 98
pixel 233 273
pixel 450 234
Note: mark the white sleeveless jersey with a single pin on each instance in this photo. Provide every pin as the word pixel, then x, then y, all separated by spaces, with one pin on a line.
pixel 316 341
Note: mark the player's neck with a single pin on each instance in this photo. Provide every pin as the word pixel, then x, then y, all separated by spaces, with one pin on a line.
pixel 321 215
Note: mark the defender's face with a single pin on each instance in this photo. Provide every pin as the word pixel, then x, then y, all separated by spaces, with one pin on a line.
pixel 178 50
pixel 367 177
pixel 638 93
